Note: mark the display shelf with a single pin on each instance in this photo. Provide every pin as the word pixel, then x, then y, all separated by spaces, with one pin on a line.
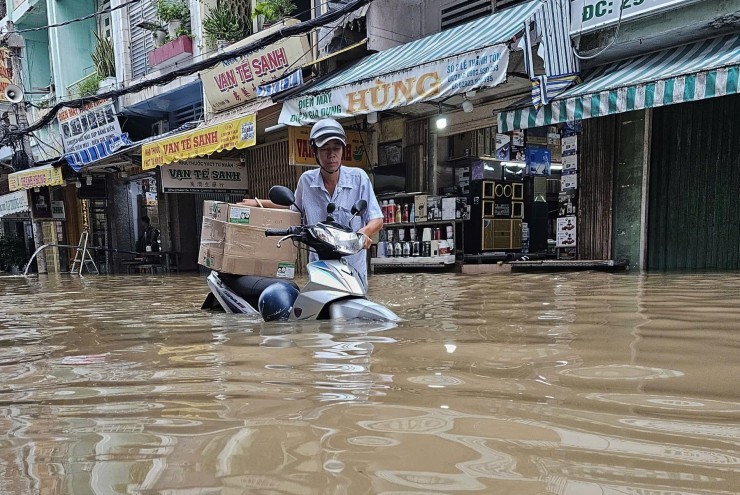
pixel 381 197
pixel 417 261
pixel 421 222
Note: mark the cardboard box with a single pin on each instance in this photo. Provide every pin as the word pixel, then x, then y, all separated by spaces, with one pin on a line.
pixel 272 218
pixel 216 210
pixel 212 230
pixel 210 258
pixel 240 265
pixel 251 242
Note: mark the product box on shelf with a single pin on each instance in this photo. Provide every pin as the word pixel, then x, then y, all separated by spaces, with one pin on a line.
pixel 434 208
pixel 420 207
pixel 462 209
pixel 449 205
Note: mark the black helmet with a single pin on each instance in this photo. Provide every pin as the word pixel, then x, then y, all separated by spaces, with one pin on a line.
pixel 324 131
pixel 276 301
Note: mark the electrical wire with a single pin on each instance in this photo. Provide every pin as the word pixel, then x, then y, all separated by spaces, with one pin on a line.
pixel 79 19
pixel 611 43
pixel 300 28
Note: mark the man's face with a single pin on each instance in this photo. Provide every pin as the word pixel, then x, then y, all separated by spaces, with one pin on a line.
pixel 330 155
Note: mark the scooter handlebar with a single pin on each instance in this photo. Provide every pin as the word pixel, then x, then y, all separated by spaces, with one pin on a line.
pixel 282 232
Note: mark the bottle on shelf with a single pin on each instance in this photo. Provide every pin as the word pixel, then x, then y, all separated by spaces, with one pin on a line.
pixel 398 213
pixel 405 217
pixel 412 215
pixel 389 245
pixel 391 211
pixel 406 249
pixel 384 209
pixel 398 248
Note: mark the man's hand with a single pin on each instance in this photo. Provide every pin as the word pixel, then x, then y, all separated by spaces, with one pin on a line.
pixel 250 202
pixel 366 240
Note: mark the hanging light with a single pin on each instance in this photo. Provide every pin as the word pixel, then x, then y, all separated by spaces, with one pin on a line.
pixel 441 122
pixel 372 118
pixel 78 184
pixel 467 106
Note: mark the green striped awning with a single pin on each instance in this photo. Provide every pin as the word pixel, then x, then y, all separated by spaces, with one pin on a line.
pixel 484 32
pixel 690 72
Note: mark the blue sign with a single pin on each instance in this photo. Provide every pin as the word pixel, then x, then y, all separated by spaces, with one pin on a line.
pixel 538 161
pixel 86 156
pixel 292 80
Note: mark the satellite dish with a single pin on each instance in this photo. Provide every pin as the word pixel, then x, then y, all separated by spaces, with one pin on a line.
pixel 13 93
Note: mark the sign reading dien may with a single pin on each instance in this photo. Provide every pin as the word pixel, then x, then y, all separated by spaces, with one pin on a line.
pixel 588 15
pixel 204 175
pixel 482 68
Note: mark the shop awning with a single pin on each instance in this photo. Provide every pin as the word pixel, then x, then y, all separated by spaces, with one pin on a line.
pixel 691 72
pixel 43 176
pixel 15 202
pixel 468 57
pixel 237 133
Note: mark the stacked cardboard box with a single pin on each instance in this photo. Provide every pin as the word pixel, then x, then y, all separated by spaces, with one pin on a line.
pixel 233 240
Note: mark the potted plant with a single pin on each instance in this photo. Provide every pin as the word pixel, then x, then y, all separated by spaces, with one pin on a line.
pixel 103 58
pixel 268 12
pixel 223 27
pixel 89 86
pixel 175 13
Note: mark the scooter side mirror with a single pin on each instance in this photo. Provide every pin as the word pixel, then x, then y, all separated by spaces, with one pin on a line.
pixel 281 195
pixel 359 207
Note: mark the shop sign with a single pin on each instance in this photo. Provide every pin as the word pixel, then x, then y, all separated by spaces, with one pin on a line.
pixel 588 15
pixel 235 81
pixel 6 72
pixel 200 175
pixel 474 70
pixel 41 204
pixel 15 202
pixel 57 210
pixel 569 180
pixel 234 134
pixel 88 126
pixel 566 236
pixel 355 154
pixel 43 176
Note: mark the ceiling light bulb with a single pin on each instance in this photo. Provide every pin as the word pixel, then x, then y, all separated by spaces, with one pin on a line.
pixel 372 118
pixel 441 122
pixel 467 106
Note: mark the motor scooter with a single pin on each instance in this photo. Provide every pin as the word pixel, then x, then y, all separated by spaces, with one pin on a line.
pixel 334 289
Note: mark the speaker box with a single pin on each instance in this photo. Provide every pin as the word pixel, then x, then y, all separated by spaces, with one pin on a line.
pixel 501 235
pixel 535 214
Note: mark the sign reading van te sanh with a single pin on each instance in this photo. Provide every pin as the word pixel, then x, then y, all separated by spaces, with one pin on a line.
pixel 235 81
pixel 234 134
pixel 200 175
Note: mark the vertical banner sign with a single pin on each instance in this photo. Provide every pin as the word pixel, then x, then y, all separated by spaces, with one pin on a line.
pixel 478 69
pixel 235 134
pixel 355 154
pixel 6 72
pixel 87 126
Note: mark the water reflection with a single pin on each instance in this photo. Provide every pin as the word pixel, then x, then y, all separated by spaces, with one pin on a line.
pixel 566 384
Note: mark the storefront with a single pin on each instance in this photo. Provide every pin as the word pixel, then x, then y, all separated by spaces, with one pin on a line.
pixel 658 168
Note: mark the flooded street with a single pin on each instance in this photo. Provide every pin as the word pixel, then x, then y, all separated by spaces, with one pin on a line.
pixel 579 383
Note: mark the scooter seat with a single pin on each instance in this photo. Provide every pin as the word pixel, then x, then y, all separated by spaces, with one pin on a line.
pixel 250 287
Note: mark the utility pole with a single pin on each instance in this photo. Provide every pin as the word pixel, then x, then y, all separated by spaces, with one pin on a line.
pixel 16 44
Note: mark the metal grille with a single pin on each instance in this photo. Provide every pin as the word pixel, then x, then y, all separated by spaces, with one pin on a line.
pixel 267 166
pixel 456 12
pixel 190 113
pixel 595 188
pixel 141 39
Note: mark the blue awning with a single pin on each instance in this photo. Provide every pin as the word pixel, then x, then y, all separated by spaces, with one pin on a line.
pixel 695 71
pixel 448 55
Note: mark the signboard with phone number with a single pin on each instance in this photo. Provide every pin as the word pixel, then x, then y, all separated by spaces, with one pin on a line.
pixel 589 15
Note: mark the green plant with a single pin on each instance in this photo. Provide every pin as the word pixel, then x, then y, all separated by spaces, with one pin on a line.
pixel 103 57
pixel 173 10
pixel 221 23
pixel 273 10
pixel 89 86
pixel 12 252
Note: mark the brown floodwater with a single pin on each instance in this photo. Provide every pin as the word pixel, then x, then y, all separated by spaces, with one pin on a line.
pixel 582 383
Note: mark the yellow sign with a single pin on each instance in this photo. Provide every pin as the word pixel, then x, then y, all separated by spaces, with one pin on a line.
pixel 43 176
pixel 235 134
pixel 355 154
pixel 6 73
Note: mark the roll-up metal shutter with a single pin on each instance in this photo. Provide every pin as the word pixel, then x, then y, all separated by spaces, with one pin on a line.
pixel 694 211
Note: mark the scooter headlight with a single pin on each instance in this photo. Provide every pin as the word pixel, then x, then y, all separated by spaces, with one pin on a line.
pixel 345 243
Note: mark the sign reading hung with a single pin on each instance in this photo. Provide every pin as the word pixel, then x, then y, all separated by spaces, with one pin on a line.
pixel 474 70
pixel 15 202
pixel 235 81
pixel 234 134
pixel 88 126
pixel 200 175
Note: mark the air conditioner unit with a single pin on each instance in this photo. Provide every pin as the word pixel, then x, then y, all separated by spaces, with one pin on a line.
pixel 160 127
